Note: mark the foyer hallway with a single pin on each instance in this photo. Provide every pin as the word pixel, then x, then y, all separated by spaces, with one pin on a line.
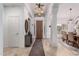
pixel 29 18
pixel 23 23
pixel 37 49
pixel 49 50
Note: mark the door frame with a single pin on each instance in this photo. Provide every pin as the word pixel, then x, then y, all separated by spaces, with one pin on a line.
pixel 43 27
pixel 21 20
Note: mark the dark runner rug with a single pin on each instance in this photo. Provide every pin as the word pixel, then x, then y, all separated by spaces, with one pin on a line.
pixel 37 49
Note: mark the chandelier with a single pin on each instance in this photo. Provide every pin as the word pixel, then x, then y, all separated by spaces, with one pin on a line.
pixel 39 10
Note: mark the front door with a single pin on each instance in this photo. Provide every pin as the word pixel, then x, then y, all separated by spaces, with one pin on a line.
pixel 39 29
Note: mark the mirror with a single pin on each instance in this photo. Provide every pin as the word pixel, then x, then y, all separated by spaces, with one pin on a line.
pixel 26 26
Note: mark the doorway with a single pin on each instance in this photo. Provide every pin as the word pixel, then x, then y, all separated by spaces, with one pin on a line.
pixel 39 29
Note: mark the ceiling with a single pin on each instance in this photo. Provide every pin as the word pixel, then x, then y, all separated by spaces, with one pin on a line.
pixel 12 4
pixel 33 5
pixel 30 6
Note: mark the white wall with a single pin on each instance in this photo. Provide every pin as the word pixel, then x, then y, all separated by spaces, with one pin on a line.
pixel 47 20
pixel 26 15
pixel 64 10
pixel 24 12
pixel 1 29
pixel 64 14
pixel 32 23
pixel 29 14
pixel 51 19
pixel 55 8
pixel 14 11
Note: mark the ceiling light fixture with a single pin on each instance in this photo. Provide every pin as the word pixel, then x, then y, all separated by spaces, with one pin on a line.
pixel 39 9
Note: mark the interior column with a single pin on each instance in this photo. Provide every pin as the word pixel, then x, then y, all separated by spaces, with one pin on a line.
pixel 54 24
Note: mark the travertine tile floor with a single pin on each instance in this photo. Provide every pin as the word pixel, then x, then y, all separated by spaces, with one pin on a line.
pixel 48 48
pixel 61 50
pixel 16 51
pixel 65 50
